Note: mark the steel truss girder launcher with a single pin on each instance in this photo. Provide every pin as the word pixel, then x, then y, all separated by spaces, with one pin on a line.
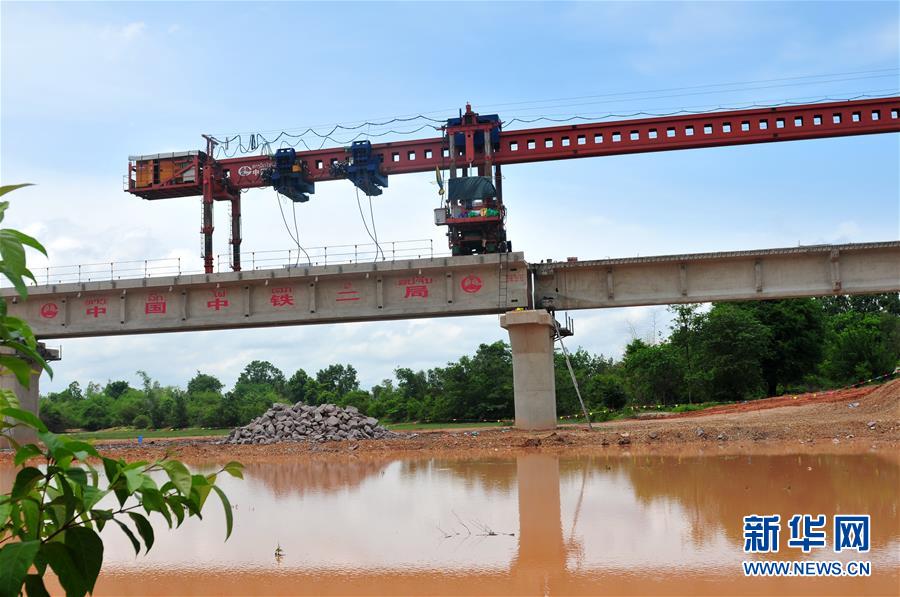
pixel 193 173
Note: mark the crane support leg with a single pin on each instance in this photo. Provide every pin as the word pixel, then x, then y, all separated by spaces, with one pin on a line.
pixel 207 231
pixel 236 233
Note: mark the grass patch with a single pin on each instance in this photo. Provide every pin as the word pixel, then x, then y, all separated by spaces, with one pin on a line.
pixel 427 426
pixel 121 433
pixel 686 408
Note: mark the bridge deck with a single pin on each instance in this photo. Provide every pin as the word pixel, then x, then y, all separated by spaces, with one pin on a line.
pixel 818 270
pixel 448 286
pixel 469 285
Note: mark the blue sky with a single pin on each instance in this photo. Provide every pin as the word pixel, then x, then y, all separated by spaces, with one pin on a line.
pixel 86 85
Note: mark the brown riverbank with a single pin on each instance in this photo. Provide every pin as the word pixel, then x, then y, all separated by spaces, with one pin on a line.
pixel 850 420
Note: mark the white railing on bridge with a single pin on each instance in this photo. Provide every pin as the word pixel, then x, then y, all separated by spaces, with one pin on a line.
pixel 254 260
pixel 332 255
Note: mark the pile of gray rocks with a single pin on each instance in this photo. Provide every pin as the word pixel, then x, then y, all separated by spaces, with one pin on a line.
pixel 302 422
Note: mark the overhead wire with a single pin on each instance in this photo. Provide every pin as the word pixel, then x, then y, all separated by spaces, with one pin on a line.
pixel 709 92
pixel 530 105
pixel 675 112
pixel 705 86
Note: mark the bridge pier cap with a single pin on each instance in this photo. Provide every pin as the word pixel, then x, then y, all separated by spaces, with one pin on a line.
pixel 534 383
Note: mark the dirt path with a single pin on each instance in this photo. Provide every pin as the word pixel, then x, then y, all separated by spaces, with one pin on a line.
pixel 780 424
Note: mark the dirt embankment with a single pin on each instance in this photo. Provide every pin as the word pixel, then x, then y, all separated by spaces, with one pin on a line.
pixel 856 419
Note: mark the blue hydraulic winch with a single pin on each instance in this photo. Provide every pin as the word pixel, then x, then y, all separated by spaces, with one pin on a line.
pixel 288 178
pixel 362 168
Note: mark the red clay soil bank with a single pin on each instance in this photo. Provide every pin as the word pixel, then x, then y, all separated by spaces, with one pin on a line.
pixel 849 395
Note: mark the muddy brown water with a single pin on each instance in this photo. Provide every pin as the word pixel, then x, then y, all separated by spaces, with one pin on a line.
pixel 534 524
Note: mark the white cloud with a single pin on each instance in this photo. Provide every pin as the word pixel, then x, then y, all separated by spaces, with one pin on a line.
pixel 130 31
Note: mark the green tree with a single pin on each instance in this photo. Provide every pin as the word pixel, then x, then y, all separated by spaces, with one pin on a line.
pixel 53 416
pixel 262 372
pixel 733 345
pixel 607 390
pixel 861 346
pixel 684 338
pixel 114 389
pixel 797 335
pixel 586 366
pixel 338 379
pixel 203 382
pixel 95 415
pixel 653 373
pixel 129 405
pixel 71 393
pixel 300 388
pixel 358 398
pixel 479 388
pixel 180 418
pixel 865 303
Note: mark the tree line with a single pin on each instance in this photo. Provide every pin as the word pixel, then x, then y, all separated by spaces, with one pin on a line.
pixel 718 353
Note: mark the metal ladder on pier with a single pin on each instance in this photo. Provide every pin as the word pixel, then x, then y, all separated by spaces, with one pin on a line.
pixel 503 280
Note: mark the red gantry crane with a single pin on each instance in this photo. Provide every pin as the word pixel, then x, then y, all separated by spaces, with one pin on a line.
pixel 473 148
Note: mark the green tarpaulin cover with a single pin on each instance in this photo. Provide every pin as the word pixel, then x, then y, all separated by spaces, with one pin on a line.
pixel 471 188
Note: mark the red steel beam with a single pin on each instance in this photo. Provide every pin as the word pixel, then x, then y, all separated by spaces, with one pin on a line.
pixel 717 129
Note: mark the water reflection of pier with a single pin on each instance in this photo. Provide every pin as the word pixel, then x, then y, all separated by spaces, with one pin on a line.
pixel 604 524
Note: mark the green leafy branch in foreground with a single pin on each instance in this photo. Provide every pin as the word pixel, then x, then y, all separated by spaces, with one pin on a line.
pixel 53 515
pixel 15 334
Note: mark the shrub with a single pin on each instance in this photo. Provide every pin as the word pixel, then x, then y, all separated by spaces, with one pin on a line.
pixel 141 422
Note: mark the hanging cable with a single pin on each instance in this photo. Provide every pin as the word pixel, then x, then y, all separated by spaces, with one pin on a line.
pixel 296 239
pixel 297 233
pixel 374 231
pixel 361 215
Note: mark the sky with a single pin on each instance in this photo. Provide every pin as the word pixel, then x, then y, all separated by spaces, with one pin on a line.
pixel 85 85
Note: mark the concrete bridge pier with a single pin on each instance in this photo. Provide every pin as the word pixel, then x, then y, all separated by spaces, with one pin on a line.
pixel 534 383
pixel 28 397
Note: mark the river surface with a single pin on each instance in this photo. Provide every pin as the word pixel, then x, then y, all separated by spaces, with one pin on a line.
pixel 535 524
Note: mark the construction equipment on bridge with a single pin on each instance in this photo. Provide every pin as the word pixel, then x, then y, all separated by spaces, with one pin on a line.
pixel 472 149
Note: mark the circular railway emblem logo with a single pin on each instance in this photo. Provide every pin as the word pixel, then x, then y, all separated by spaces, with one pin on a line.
pixel 245 171
pixel 49 310
pixel 471 284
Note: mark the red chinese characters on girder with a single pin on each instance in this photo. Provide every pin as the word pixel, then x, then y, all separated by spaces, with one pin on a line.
pixel 155 305
pixel 347 293
pixel 95 307
pixel 415 287
pixel 282 297
pixel 49 310
pixel 416 291
pixel 219 301
pixel 471 284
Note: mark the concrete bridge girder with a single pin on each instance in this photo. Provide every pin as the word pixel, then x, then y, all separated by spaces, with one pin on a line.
pixel 455 286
